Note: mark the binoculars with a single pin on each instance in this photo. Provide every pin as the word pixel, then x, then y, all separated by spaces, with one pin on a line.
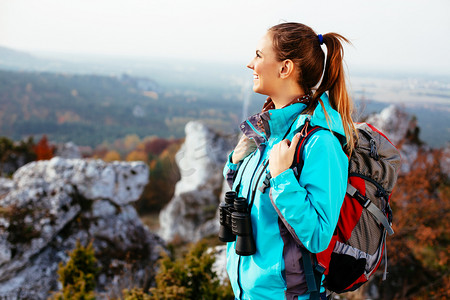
pixel 235 224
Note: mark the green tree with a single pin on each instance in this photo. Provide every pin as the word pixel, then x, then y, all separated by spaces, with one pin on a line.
pixel 6 148
pixel 135 294
pixel 190 277
pixel 15 154
pixel 78 276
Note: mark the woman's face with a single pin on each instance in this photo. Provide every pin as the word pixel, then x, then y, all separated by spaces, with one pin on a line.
pixel 265 67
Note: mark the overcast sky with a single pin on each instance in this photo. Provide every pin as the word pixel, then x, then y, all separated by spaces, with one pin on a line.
pixel 386 34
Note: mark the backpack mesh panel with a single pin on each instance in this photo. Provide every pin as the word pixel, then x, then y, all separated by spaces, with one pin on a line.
pixel 367 233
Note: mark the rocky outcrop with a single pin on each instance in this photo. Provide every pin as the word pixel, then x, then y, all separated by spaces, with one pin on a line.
pixel 200 161
pixel 68 150
pixel 49 205
pixel 392 121
pixel 402 131
pixel 445 160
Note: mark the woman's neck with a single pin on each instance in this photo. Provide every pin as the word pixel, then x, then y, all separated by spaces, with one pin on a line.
pixel 283 100
pixel 289 90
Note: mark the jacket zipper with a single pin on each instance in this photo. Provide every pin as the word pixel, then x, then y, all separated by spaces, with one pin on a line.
pixel 264 164
pixel 241 291
pixel 248 194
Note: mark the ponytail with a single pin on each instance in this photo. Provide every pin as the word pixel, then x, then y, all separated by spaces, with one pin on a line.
pixel 333 81
pixel 302 45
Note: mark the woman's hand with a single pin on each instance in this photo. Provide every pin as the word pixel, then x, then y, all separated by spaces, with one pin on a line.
pixel 243 148
pixel 282 155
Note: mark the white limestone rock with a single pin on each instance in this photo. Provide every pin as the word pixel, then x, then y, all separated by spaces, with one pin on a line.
pixel 211 227
pixel 220 263
pixel 202 151
pixel 5 185
pixel 200 160
pixel 392 121
pixel 68 150
pixel 49 205
pixel 402 130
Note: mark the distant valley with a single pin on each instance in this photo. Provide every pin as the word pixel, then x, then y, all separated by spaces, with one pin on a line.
pixel 92 100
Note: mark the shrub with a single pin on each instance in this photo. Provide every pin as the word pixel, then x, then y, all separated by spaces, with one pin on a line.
pixel 190 277
pixel 135 294
pixel 78 276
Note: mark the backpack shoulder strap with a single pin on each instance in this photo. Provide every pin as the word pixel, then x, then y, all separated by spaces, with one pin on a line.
pixel 306 131
pixel 312 275
pixel 313 271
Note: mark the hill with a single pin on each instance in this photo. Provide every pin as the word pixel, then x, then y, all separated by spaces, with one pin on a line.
pixel 90 109
pixel 60 96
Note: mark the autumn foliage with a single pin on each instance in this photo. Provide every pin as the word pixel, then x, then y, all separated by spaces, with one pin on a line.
pixel 43 149
pixel 419 249
pixel 159 154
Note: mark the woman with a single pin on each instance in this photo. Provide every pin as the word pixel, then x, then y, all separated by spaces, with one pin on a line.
pixel 288 67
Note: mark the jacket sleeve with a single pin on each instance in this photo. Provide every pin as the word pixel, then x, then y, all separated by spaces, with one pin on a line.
pixel 229 171
pixel 310 207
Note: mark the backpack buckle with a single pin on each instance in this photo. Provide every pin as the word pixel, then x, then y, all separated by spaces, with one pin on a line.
pixel 380 193
pixel 373 150
pixel 389 213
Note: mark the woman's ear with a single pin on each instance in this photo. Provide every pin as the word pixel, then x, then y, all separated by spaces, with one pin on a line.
pixel 287 67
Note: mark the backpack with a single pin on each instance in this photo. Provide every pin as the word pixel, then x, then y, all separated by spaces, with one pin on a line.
pixel 359 241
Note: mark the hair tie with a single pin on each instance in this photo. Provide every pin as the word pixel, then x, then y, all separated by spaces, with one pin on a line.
pixel 320 38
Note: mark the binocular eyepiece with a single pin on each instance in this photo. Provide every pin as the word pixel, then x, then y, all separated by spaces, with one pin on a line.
pixel 235 224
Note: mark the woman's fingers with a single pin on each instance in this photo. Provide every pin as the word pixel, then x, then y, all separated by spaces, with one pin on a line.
pixel 288 145
pixel 294 143
pixel 282 155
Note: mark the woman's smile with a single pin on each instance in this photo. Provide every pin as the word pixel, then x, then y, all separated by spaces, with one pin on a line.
pixel 265 67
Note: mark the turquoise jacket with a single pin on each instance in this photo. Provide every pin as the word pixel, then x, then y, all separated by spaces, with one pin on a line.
pixel 308 207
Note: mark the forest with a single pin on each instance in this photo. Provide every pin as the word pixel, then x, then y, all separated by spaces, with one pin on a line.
pixel 91 109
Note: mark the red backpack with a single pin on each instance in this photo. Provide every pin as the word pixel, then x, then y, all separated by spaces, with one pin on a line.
pixel 359 241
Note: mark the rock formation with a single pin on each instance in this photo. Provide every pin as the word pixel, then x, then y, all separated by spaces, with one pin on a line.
pixel 403 132
pixel 68 150
pixel 200 160
pixel 49 205
pixel 392 121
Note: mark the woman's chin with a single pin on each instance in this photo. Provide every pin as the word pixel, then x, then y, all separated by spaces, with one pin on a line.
pixel 256 89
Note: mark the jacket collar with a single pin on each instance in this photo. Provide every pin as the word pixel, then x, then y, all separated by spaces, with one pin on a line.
pixel 276 122
pixel 318 117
